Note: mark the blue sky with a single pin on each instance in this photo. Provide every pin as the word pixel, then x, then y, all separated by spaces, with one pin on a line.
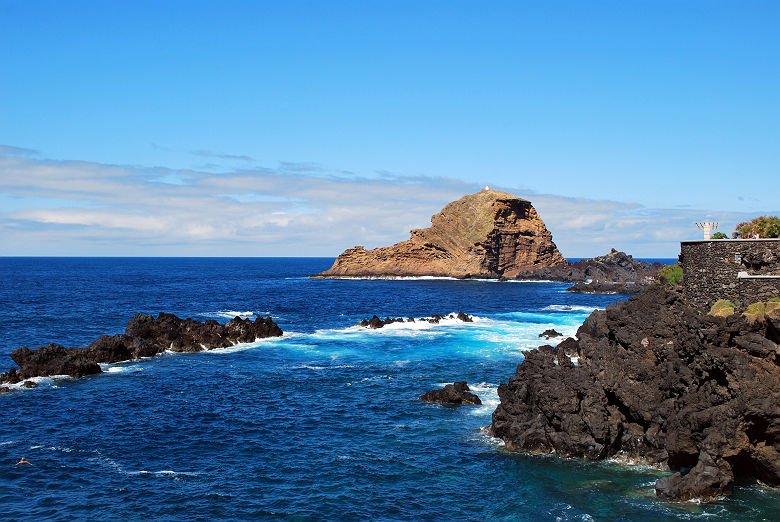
pixel 276 128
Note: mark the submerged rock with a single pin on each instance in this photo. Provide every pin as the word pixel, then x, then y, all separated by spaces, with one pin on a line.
pixel 488 234
pixel 660 383
pixel 456 393
pixel 145 336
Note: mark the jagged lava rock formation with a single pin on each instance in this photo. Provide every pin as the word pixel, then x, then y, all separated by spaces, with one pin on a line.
pixel 615 266
pixel 375 322
pixel 452 394
pixel 488 234
pixel 656 382
pixel 145 336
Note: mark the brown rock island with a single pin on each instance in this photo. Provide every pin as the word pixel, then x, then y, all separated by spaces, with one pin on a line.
pixel 490 234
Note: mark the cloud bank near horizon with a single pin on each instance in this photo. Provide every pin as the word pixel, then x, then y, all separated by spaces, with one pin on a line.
pixel 74 208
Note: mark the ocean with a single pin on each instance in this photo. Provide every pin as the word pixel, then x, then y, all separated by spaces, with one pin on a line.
pixel 322 423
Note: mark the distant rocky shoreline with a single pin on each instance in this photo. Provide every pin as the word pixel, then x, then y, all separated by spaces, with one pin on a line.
pixel 491 235
pixel 145 336
pixel 613 273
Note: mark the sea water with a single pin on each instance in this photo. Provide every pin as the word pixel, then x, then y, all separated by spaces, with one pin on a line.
pixel 322 423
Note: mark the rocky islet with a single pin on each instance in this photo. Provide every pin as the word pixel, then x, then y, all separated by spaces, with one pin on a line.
pixel 145 336
pixel 453 394
pixel 488 234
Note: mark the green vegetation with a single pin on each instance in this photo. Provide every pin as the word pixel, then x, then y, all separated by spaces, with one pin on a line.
pixel 759 311
pixel 755 312
pixel 722 308
pixel 719 235
pixel 673 274
pixel 764 226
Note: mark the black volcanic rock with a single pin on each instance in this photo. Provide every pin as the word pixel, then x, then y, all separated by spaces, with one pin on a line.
pixel 550 333
pixel 465 318
pixel 109 349
pixel 376 322
pixel 52 359
pixel 605 287
pixel 659 383
pixel 456 393
pixel 616 268
pixel 145 336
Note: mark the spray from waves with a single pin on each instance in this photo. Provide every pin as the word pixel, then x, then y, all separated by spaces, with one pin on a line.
pixel 165 472
pixel 500 335
pixel 99 458
pixel 230 314
pixel 569 308
pixel 121 367
pixel 317 368
pixel 49 381
pixel 570 318
pixel 488 394
pixel 409 327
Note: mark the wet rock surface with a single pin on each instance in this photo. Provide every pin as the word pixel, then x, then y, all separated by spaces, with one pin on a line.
pixel 550 333
pixel 145 336
pixel 659 383
pixel 454 394
pixel 376 322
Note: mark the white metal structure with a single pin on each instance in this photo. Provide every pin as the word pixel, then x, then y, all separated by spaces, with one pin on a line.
pixel 708 227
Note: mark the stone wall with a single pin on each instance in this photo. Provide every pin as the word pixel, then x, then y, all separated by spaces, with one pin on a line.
pixel 711 270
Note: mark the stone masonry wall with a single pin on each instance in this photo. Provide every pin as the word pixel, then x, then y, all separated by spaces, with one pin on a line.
pixel 711 270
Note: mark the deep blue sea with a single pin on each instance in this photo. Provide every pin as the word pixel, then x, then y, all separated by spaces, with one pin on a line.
pixel 322 423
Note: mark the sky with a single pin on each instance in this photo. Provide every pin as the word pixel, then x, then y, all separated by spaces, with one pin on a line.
pixel 303 128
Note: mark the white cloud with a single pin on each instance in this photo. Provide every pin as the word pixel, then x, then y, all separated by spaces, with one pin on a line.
pixel 83 208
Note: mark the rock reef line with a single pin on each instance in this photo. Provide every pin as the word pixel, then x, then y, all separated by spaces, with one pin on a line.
pixel 145 336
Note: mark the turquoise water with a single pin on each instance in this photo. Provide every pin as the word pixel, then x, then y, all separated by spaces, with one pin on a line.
pixel 323 423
